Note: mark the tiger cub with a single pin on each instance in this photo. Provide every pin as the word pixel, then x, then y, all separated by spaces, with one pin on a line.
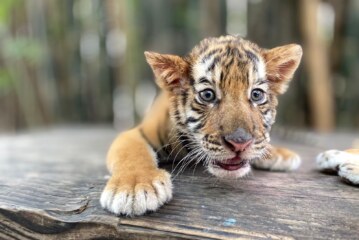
pixel 217 107
pixel 344 163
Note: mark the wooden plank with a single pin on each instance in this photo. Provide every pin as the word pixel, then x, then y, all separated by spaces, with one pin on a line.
pixel 50 183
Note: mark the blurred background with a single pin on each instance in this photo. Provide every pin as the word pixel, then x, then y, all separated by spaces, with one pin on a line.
pixel 81 61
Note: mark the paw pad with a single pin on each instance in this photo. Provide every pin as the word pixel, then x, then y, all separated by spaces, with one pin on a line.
pixel 283 160
pixel 349 172
pixel 341 162
pixel 139 198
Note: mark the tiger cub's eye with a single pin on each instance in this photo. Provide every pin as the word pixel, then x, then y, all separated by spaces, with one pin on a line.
pixel 257 95
pixel 207 95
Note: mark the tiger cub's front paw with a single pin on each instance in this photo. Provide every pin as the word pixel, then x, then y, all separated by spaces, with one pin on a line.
pixel 330 160
pixel 345 163
pixel 281 159
pixel 349 172
pixel 137 193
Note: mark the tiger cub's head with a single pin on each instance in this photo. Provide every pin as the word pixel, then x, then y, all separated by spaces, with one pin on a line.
pixel 223 98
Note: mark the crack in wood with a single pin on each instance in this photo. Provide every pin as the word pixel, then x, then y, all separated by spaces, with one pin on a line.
pixel 59 198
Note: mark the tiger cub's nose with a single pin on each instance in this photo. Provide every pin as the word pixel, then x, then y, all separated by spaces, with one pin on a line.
pixel 239 140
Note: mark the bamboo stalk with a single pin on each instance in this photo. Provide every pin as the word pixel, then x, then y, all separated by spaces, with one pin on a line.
pixel 317 65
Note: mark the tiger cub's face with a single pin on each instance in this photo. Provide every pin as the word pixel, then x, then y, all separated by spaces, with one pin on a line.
pixel 223 98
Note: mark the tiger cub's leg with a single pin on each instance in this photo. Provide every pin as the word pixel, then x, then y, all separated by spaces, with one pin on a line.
pixel 279 159
pixel 345 163
pixel 137 184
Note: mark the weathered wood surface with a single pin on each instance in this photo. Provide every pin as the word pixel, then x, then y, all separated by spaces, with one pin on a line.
pixel 50 183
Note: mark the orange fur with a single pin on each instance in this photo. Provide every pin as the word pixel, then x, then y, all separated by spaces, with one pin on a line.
pixel 281 64
pixel 353 151
pixel 180 120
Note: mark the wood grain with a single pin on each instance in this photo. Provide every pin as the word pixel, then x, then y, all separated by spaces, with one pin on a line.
pixel 50 183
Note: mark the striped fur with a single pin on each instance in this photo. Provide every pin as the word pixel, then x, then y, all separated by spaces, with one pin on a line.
pixel 231 67
pixel 206 95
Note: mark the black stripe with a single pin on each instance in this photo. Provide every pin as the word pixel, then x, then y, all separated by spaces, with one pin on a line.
pixel 177 116
pixel 147 140
pixel 228 51
pixel 167 149
pixel 262 81
pixel 211 67
pixel 204 49
pixel 262 103
pixel 215 149
pixel 181 124
pixel 247 77
pixel 259 141
pixel 185 141
pixel 221 78
pixel 198 127
pixel 237 53
pixel 258 147
pixel 199 103
pixel 230 63
pixel 204 80
pixel 214 142
pixel 196 110
pixel 208 55
pixel 177 113
pixel 266 111
pixel 254 125
pixel 161 140
pixel 252 56
pixel 192 120
pixel 184 98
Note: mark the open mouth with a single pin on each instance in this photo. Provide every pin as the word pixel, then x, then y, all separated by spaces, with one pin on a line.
pixel 232 164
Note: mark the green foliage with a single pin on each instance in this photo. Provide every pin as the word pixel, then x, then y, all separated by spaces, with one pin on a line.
pixel 5 80
pixel 22 48
pixel 5 9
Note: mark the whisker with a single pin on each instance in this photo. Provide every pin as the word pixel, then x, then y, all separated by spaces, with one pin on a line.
pixel 190 156
pixel 183 159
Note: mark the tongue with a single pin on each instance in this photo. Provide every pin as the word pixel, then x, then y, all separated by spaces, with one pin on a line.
pixel 235 160
pixel 232 164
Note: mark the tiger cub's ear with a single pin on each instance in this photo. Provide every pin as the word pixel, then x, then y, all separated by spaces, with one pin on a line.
pixel 281 63
pixel 171 71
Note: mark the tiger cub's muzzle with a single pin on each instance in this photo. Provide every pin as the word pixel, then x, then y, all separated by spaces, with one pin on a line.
pixel 238 141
